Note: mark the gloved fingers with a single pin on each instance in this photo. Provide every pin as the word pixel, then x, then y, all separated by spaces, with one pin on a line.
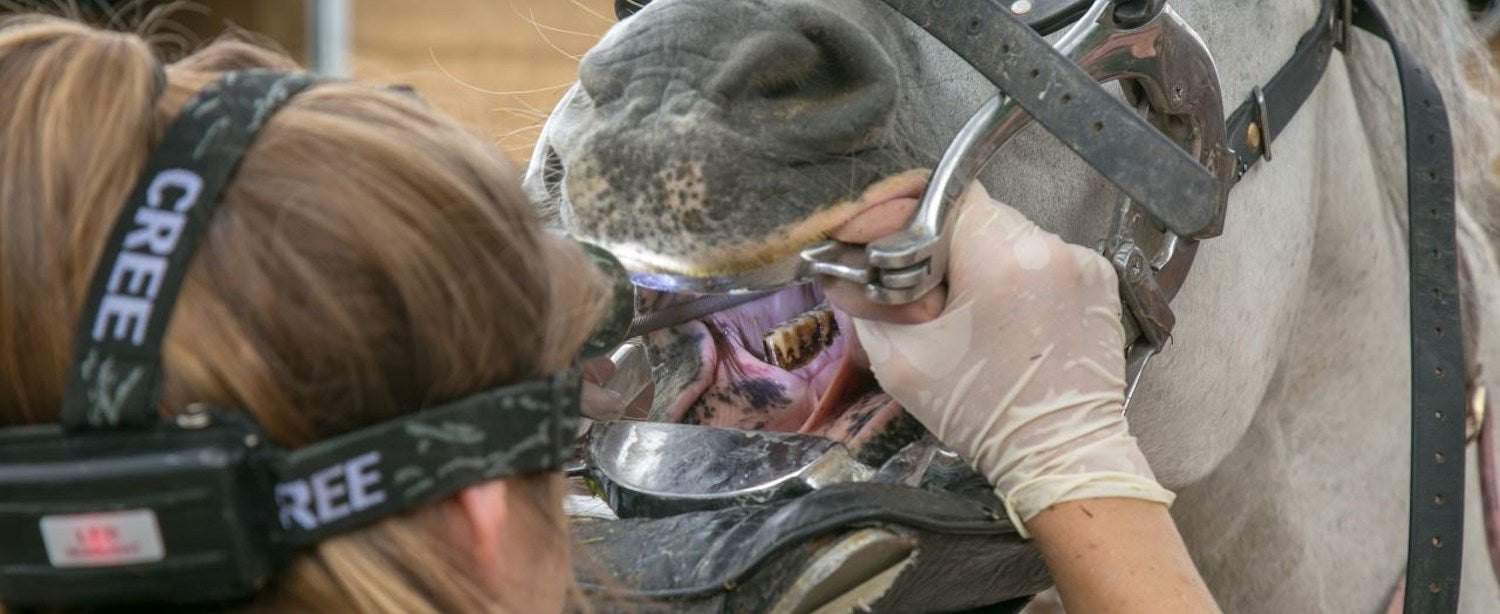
pixel 849 298
pixel 879 221
pixel 923 364
pixel 998 250
pixel 883 220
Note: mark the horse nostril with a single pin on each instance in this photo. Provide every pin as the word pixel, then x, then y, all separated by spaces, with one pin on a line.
pixel 826 78
pixel 803 78
pixel 767 65
pixel 790 66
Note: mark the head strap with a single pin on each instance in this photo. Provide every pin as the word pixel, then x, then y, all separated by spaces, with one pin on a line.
pixel 115 380
pixel 378 471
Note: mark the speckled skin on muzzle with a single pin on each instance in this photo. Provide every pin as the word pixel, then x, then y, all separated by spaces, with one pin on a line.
pixel 702 153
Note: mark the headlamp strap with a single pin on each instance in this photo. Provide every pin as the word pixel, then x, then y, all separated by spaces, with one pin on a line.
pixel 115 379
pixel 376 472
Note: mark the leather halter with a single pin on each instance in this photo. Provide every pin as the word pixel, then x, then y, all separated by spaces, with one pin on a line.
pixel 1435 537
pixel 1438 403
pixel 1005 45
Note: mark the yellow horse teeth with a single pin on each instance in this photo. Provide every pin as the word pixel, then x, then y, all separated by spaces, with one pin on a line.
pixel 799 340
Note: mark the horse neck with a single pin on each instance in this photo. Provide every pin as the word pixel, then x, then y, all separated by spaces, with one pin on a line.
pixel 1309 507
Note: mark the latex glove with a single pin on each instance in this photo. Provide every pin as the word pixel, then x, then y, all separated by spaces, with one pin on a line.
pixel 1022 372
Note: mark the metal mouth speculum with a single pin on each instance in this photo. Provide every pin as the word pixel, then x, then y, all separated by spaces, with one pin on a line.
pixel 652 469
pixel 1167 71
pixel 1165 68
pixel 1163 59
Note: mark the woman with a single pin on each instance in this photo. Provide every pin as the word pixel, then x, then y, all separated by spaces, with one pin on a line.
pixel 369 257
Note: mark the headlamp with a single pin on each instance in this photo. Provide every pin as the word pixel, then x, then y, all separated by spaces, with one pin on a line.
pixel 117 506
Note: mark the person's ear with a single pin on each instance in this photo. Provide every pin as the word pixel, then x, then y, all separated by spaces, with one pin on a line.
pixel 484 509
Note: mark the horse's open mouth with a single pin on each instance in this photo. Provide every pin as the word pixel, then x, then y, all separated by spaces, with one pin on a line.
pixel 786 362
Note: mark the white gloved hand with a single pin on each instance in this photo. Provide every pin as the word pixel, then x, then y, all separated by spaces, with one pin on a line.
pixel 1023 371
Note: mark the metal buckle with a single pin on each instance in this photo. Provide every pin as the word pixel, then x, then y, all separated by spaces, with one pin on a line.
pixel 1261 137
pixel 1342 18
pixel 902 267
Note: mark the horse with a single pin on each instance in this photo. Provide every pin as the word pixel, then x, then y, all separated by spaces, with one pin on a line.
pixel 706 136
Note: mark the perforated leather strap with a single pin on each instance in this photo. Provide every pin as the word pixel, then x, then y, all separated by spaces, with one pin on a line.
pixel 1146 165
pixel 1252 127
pixel 1435 536
pixel 1020 63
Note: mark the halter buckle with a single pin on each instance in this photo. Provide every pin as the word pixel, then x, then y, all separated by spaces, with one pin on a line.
pixel 1181 82
pixel 1342 19
pixel 1260 129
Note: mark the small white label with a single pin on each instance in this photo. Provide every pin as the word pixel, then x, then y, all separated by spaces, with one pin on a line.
pixel 102 539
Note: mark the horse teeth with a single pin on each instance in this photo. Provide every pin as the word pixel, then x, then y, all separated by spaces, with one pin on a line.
pixel 796 342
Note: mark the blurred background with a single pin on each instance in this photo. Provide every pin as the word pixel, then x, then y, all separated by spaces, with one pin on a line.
pixel 498 65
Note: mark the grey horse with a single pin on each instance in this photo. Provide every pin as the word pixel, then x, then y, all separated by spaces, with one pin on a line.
pixel 712 135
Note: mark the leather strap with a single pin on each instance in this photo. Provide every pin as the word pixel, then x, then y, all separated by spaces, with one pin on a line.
pixel 1435 538
pixel 1435 530
pixel 1058 94
pixel 690 567
pixel 1252 126
pixel 1157 174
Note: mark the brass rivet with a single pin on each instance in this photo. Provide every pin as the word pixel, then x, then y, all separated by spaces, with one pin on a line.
pixel 1478 403
pixel 1252 136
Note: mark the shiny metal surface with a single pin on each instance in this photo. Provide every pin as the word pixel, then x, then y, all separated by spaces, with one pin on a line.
pixel 774 276
pixel 1164 60
pixel 652 469
pixel 680 313
pixel 1262 122
pixel 632 377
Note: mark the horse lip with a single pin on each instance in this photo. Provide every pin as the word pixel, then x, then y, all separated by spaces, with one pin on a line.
pixel 839 374
pixel 773 262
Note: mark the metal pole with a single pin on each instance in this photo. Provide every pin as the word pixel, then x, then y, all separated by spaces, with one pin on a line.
pixel 328 25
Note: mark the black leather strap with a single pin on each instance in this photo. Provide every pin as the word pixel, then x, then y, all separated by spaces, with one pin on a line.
pixel 1252 127
pixel 1057 93
pixel 701 553
pixel 1435 538
pixel 1435 533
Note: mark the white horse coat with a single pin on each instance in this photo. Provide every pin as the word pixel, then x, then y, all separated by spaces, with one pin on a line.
pixel 1280 412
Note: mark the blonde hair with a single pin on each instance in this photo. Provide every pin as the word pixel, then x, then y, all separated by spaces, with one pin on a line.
pixel 370 257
